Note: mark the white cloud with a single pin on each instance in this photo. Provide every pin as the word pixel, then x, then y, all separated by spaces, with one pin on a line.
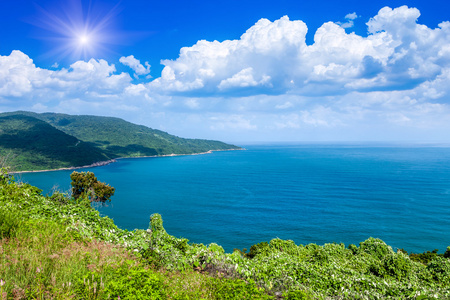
pixel 285 105
pixel 135 90
pixel 192 103
pixel 38 107
pixel 400 20
pixel 244 78
pixel 17 74
pixel 231 122
pixel 136 65
pixel 250 62
pixel 350 18
pixel 20 78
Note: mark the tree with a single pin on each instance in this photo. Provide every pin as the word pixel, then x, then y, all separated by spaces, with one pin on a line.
pixel 86 185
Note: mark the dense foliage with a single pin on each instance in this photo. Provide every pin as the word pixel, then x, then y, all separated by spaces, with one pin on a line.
pixel 106 137
pixel 35 145
pixel 57 247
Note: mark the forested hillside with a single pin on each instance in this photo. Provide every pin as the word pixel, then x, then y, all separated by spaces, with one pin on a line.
pixel 103 138
pixel 32 144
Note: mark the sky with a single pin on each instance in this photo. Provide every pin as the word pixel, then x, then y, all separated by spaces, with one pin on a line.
pixel 236 71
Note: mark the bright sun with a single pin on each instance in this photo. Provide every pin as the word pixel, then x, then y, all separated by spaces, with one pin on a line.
pixel 78 32
pixel 84 40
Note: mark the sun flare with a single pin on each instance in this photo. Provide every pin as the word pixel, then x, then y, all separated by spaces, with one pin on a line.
pixel 78 32
pixel 83 40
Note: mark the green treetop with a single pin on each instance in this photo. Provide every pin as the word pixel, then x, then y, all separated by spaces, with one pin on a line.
pixel 86 185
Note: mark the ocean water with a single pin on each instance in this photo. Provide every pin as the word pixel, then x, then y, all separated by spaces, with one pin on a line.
pixel 309 193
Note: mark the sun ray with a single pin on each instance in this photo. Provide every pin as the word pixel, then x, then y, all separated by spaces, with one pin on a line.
pixel 78 32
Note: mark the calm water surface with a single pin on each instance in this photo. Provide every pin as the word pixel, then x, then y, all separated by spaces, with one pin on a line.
pixel 308 193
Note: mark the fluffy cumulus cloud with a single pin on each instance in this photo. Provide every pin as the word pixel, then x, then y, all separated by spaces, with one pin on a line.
pixel 22 81
pixel 273 58
pixel 17 74
pixel 349 20
pixel 269 80
pixel 136 65
pixel 255 62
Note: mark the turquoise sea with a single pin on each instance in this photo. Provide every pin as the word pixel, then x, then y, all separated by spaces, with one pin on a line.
pixel 310 193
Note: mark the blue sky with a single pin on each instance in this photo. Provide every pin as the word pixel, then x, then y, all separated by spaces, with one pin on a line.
pixel 238 71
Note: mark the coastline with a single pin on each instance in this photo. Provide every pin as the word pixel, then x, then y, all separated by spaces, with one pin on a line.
pixel 96 164
pixel 107 162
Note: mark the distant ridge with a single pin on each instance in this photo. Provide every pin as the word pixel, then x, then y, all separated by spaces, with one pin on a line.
pixel 50 140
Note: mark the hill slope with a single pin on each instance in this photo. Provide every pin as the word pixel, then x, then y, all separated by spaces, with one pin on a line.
pixel 106 137
pixel 36 145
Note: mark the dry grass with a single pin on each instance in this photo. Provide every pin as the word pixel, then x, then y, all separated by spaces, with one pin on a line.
pixel 44 260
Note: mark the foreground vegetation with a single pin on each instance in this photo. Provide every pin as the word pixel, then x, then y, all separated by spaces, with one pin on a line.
pixel 50 140
pixel 59 247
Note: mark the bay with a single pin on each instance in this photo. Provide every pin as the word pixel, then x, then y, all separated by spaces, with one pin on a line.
pixel 309 193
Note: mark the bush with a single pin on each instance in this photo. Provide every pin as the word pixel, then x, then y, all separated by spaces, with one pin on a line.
pixel 298 295
pixel 237 289
pixel 425 257
pixel 439 267
pixel 131 282
pixel 10 220
pixel 397 265
pixel 447 252
pixel 258 249
pixel 5 178
pixel 375 247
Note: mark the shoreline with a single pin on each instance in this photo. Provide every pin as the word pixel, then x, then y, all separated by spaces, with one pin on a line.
pixel 96 164
pixel 107 162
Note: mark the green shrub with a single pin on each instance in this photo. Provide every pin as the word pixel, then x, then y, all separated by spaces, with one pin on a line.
pixel 353 248
pixel 425 257
pixel 10 221
pixel 135 283
pixel 397 265
pixel 375 247
pixel 262 249
pixel 447 252
pixel 237 289
pixel 60 198
pixel 5 177
pixel 298 295
pixel 439 267
pixel 287 246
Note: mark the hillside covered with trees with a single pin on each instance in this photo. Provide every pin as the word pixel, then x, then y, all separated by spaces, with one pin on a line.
pixel 49 141
pixel 32 144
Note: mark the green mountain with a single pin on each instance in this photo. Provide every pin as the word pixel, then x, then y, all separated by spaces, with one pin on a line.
pixel 35 145
pixel 104 137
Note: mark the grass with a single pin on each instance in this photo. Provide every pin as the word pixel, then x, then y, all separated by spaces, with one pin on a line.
pixel 48 261
pixel 42 260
